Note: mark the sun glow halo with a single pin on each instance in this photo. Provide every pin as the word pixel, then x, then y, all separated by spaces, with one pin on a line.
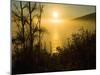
pixel 55 14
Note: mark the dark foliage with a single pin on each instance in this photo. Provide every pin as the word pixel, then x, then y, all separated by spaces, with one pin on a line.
pixel 81 51
pixel 28 56
pixel 79 54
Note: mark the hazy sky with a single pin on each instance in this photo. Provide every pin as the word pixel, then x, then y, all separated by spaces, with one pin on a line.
pixel 56 20
pixel 67 11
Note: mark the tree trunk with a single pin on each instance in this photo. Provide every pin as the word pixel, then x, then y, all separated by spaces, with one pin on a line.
pixel 31 41
pixel 22 22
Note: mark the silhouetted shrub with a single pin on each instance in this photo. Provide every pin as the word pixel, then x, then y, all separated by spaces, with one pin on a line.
pixel 80 53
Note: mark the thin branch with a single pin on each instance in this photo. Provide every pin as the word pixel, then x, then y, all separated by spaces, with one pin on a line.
pixel 34 7
pixel 16 8
pixel 13 12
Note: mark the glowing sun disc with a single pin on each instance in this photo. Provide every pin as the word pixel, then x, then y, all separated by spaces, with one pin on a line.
pixel 55 14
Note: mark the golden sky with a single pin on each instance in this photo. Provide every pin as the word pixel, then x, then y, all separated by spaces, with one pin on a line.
pixel 56 19
pixel 67 11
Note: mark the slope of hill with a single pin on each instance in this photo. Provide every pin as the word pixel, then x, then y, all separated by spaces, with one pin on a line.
pixel 91 16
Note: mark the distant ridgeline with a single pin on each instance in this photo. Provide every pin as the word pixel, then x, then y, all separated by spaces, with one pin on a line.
pixel 91 16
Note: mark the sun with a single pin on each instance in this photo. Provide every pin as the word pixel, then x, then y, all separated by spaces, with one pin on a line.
pixel 55 14
pixel 56 18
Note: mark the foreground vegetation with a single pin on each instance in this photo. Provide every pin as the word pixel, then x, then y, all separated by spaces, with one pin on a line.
pixel 78 54
pixel 28 55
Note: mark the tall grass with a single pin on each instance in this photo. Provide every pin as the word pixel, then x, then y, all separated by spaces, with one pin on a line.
pixel 78 54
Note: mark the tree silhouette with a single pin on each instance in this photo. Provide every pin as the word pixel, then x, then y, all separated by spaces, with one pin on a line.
pixel 24 56
pixel 28 53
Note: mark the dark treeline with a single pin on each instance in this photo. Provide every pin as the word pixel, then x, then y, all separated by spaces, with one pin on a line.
pixel 28 56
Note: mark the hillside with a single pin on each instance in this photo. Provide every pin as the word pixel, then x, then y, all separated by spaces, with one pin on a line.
pixel 91 16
